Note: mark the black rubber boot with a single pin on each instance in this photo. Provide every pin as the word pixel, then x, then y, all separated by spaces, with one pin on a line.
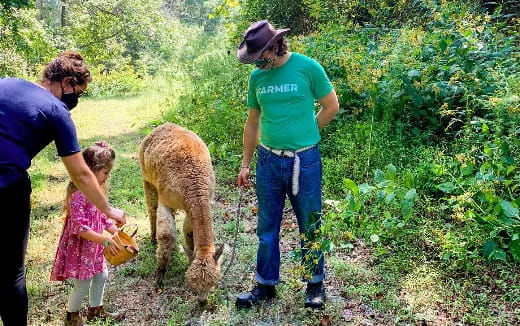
pixel 258 293
pixel 315 296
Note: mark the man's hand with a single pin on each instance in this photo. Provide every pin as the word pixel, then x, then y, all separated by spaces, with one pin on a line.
pixel 329 109
pixel 243 177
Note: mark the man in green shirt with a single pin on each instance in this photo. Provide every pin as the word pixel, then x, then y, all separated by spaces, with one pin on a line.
pixel 283 125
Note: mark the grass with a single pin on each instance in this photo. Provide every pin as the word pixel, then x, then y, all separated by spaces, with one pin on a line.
pixel 405 282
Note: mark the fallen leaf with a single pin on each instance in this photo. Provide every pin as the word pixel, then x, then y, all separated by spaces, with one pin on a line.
pixel 325 321
pixel 254 210
pixel 347 315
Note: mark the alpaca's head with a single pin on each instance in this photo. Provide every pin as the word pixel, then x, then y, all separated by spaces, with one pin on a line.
pixel 204 271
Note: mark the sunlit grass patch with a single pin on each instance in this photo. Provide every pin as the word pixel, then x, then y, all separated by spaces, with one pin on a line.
pixel 422 291
pixel 117 121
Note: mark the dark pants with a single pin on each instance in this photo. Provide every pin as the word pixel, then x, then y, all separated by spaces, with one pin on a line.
pixel 15 211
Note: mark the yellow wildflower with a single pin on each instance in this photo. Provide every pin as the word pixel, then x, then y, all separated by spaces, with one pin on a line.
pixel 458 214
pixel 461 158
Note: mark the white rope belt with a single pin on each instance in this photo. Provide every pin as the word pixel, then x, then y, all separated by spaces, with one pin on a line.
pixel 296 164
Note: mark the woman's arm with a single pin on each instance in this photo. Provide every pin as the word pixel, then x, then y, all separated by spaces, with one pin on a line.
pixel 87 183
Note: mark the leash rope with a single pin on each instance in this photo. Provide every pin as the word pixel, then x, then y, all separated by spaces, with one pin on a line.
pixel 235 235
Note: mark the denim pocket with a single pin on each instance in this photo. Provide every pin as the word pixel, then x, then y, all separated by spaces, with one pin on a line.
pixel 310 159
pixel 262 156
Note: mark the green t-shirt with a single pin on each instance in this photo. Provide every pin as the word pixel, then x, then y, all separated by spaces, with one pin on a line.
pixel 285 96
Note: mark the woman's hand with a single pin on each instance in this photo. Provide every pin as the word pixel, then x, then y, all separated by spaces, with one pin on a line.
pixel 117 215
pixel 243 177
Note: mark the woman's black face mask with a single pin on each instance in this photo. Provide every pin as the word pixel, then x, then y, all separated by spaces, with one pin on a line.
pixel 70 99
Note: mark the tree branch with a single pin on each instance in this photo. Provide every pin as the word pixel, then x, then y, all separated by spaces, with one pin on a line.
pixel 85 46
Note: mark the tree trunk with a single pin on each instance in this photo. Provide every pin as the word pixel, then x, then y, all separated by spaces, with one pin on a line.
pixel 64 13
pixel 39 6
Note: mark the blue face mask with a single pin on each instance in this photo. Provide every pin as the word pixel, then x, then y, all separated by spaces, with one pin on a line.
pixel 70 99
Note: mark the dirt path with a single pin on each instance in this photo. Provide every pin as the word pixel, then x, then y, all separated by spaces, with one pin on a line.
pixel 177 303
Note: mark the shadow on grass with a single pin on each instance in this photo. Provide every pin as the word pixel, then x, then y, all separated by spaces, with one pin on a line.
pixel 42 212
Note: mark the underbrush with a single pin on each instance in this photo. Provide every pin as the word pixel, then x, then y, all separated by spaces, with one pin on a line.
pixel 421 162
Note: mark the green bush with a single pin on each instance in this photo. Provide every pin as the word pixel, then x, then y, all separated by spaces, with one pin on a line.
pixel 214 106
pixel 375 211
pixel 24 43
pixel 121 82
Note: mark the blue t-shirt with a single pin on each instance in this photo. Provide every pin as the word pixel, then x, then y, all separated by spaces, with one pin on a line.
pixel 30 118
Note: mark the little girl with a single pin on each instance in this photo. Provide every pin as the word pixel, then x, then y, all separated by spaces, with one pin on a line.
pixel 80 251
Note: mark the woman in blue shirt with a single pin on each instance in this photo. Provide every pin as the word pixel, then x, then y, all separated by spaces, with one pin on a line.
pixel 31 116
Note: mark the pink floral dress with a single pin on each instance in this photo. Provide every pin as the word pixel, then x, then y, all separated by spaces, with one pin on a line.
pixel 77 258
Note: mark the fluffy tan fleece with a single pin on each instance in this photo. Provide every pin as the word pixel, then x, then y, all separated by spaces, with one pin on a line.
pixel 178 175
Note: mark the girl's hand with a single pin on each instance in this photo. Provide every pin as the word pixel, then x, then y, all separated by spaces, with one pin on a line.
pixel 112 229
pixel 243 177
pixel 113 247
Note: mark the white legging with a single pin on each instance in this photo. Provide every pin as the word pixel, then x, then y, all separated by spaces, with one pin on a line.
pixel 96 285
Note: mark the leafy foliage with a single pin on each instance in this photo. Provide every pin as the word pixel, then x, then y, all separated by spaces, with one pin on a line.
pixel 389 13
pixel 215 101
pixel 484 187
pixel 372 210
pixel 283 14
pixel 8 4
pixel 23 43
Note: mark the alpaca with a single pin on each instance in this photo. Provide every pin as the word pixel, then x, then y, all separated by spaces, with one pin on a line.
pixel 178 175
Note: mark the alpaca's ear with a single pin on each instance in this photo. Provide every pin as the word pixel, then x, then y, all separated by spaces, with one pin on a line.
pixel 218 254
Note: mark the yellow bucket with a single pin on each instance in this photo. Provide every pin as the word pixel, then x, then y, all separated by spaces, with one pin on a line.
pixel 128 249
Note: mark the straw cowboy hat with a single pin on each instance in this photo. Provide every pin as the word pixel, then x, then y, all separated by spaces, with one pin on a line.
pixel 258 38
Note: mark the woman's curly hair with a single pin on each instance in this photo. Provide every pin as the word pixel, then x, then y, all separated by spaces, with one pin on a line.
pixel 68 64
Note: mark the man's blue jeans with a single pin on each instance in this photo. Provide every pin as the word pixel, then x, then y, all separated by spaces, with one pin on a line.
pixel 273 184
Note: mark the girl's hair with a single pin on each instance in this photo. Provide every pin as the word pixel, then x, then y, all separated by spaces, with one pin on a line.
pixel 98 157
pixel 68 64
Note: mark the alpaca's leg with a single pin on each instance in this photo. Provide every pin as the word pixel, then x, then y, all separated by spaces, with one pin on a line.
pixel 166 238
pixel 150 193
pixel 189 244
